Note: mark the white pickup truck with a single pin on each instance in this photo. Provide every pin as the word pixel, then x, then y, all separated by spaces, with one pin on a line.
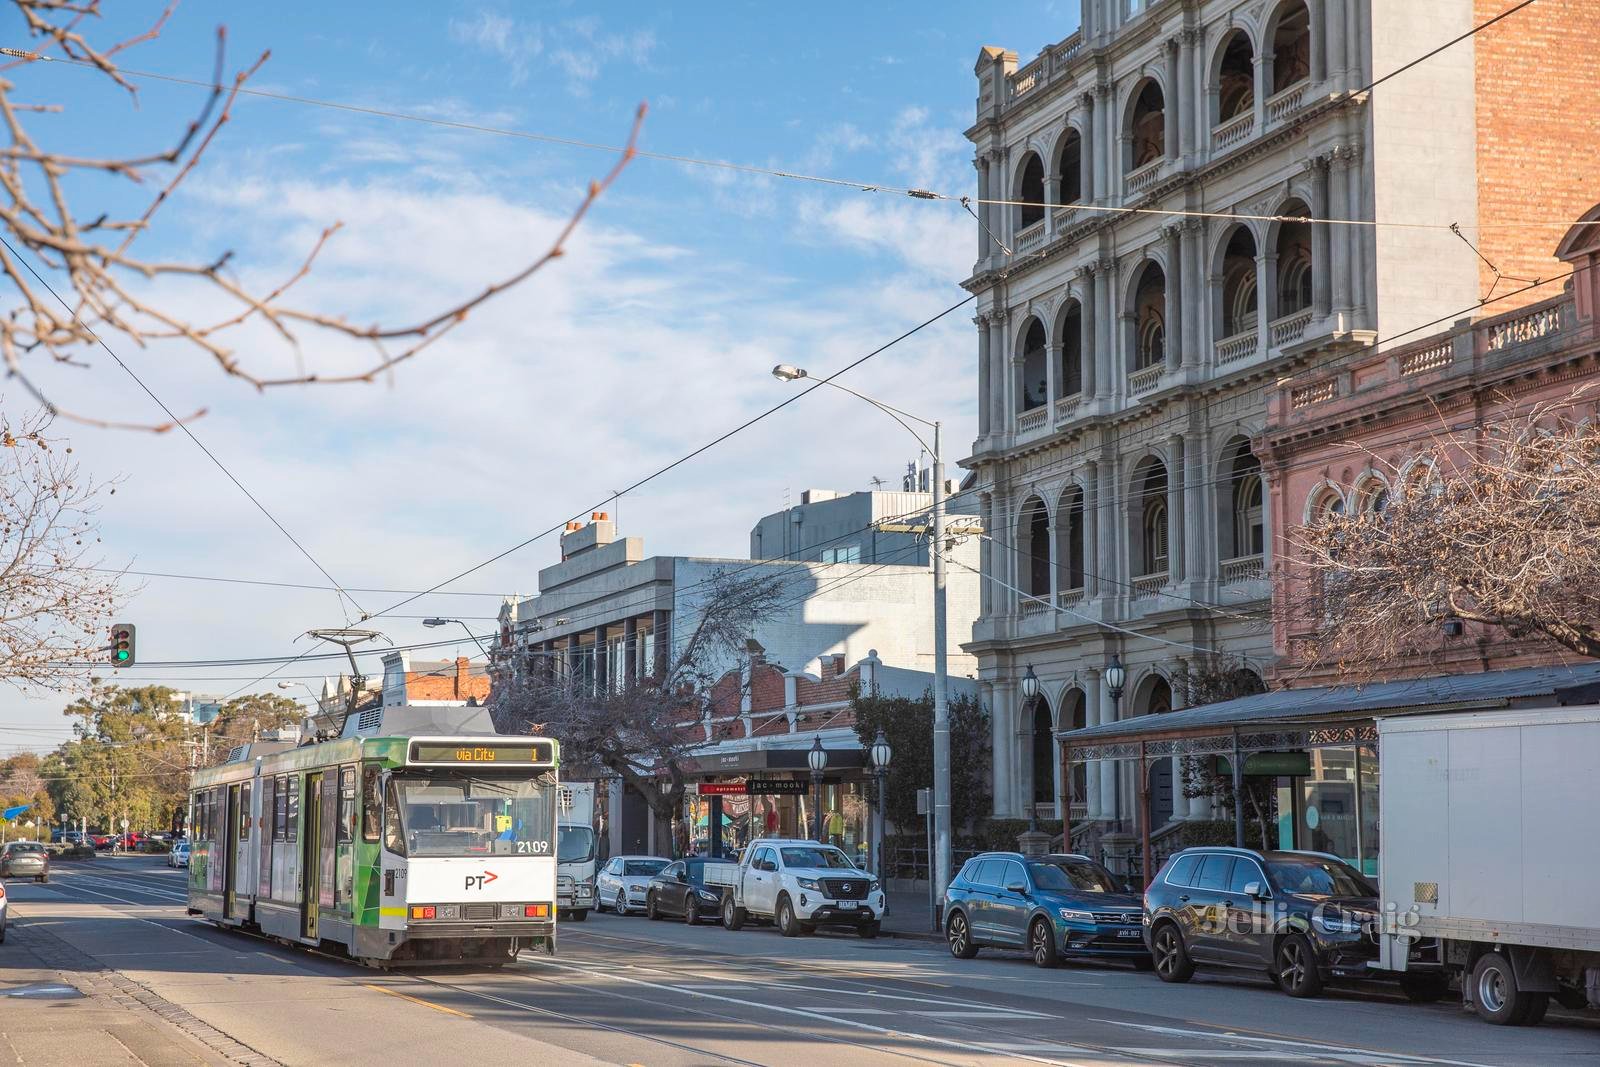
pixel 800 885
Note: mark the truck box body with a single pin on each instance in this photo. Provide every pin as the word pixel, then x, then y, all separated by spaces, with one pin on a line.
pixel 1486 827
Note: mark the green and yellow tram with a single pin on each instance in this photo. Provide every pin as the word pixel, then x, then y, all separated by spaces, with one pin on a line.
pixel 432 841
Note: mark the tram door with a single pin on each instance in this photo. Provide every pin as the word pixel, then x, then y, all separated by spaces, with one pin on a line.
pixel 311 853
pixel 229 854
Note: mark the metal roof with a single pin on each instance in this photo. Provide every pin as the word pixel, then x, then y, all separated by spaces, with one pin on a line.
pixel 1488 689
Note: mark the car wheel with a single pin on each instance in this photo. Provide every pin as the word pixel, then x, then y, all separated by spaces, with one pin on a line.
pixel 1424 988
pixel 959 935
pixel 1499 1000
pixel 1042 944
pixel 788 925
pixel 622 903
pixel 869 930
pixel 732 915
pixel 691 912
pixel 1295 967
pixel 1170 956
pixel 649 908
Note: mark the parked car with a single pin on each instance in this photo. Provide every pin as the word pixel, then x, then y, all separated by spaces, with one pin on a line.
pixel 1303 918
pixel 682 891
pixel 624 881
pixel 179 856
pixel 2 913
pixel 1053 906
pixel 25 859
pixel 801 885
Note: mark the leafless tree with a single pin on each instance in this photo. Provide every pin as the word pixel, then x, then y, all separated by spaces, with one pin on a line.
pixel 54 604
pixel 1497 527
pixel 96 251
pixel 647 731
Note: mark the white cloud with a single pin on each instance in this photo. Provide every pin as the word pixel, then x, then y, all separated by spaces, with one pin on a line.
pixel 580 49
pixel 503 36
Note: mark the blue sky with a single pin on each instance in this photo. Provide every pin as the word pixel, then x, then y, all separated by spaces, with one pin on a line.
pixel 656 332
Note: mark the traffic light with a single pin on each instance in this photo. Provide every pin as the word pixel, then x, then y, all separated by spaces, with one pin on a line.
pixel 122 643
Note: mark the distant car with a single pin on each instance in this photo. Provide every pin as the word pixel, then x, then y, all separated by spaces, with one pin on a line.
pixel 624 882
pixel 25 859
pixel 1304 918
pixel 1051 906
pixel 680 890
pixel 179 856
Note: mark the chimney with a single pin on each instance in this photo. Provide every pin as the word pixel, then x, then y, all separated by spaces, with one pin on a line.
pixel 462 675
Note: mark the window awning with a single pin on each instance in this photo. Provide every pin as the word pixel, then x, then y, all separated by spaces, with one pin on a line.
pixel 1327 715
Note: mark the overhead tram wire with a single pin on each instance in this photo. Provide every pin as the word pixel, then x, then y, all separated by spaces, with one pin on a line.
pixel 180 423
pixel 281 585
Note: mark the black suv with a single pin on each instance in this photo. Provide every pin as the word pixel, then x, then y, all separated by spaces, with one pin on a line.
pixel 1302 917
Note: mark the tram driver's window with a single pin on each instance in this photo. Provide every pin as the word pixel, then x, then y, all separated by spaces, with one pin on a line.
pixel 371 802
pixel 394 834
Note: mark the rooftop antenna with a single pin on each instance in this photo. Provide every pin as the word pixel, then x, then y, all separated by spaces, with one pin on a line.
pixel 347 639
pixel 877 483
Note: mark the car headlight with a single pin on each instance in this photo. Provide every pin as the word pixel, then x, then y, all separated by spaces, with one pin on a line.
pixel 1340 922
pixel 874 887
pixel 808 883
pixel 1072 915
pixel 707 895
pixel 586 890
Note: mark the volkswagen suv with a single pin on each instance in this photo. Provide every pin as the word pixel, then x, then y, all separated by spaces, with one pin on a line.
pixel 1052 906
pixel 1303 918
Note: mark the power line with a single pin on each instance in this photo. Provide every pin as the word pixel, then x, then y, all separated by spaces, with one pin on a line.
pixel 284 585
pixel 176 421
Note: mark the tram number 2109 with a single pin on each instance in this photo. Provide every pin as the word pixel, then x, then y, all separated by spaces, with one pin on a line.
pixel 533 848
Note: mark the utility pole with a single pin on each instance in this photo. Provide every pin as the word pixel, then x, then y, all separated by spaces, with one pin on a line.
pixel 941 685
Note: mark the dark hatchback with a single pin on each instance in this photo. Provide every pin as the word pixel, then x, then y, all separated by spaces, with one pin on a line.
pixel 1302 918
pixel 679 890
pixel 1052 906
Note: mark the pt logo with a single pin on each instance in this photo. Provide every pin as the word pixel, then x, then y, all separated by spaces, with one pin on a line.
pixel 478 881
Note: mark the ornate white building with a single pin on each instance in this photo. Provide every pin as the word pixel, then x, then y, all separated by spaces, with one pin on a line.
pixel 1124 358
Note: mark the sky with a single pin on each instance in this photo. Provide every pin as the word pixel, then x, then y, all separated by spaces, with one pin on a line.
pixel 655 333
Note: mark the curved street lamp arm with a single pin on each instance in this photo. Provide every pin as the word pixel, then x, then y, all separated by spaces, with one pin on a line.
pixel 893 412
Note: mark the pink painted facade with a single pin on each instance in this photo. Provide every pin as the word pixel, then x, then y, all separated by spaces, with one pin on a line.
pixel 1339 435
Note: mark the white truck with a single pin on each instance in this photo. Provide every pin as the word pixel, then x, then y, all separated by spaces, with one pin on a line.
pixel 800 885
pixel 1488 866
pixel 576 854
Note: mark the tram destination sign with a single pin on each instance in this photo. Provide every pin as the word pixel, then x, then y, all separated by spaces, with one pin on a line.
pixel 484 753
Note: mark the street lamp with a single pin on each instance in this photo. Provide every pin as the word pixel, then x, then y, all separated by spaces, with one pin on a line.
pixel 818 758
pixel 1030 693
pixel 880 753
pixel 940 866
pixel 1115 677
pixel 435 623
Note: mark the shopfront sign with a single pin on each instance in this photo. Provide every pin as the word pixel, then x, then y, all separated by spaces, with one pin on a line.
pixel 722 789
pixel 756 787
pixel 1269 764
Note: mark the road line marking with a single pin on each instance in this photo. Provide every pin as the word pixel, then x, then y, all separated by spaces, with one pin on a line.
pixel 825 1010
pixel 992 1013
pixel 1301 1044
pixel 415 1000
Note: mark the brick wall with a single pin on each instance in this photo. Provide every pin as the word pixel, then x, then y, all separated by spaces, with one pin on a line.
pixel 458 686
pixel 1538 112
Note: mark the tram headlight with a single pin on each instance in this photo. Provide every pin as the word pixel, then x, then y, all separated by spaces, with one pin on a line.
pixel 449 911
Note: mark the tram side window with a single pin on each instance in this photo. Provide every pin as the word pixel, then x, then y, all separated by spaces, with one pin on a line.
pixel 280 811
pixel 347 802
pixel 394 834
pixel 371 802
pixel 294 808
pixel 244 811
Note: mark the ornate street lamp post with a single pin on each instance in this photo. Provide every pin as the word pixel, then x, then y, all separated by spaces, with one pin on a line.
pixel 1030 693
pixel 880 754
pixel 818 759
pixel 1115 677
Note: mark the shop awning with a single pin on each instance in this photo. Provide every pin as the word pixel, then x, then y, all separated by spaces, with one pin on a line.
pixel 1328 715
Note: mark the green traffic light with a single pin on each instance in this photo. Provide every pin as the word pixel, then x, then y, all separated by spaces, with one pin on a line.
pixel 122 654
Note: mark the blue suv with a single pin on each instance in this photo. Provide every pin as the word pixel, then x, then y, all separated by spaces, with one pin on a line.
pixel 1053 906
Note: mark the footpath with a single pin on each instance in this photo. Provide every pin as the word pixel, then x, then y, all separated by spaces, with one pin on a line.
pixel 910 915
pixel 60 1007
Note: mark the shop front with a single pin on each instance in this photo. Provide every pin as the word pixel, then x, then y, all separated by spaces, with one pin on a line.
pixel 742 796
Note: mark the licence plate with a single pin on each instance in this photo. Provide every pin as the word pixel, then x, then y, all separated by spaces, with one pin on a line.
pixel 848 905
pixel 1128 933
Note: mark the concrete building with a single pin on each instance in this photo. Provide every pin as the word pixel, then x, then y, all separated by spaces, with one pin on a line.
pixel 1125 356
pixel 833 527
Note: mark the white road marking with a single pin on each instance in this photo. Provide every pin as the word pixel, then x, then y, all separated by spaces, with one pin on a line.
pixel 826 1010
pixel 1300 1045
pixel 988 1013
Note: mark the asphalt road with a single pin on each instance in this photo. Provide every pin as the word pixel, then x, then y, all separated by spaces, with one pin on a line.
pixel 629 991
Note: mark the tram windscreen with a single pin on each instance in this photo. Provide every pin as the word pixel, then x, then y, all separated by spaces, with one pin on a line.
pixel 451 815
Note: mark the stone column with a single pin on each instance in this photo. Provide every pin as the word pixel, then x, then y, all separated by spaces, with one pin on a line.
pixel 1105 325
pixel 1354 64
pixel 1267 288
pixel 1177 520
pixel 986 556
pixel 601 663
pixel 661 629
pixel 1205 566
pixel 1263 311
pixel 1196 519
pixel 1175 310
pixel 1092 564
pixel 1105 142
pixel 1321 241
pixel 1355 238
pixel 1180 803
pixel 1089 379
pixel 630 650
pixel 1189 253
pixel 1091 717
pixel 985 249
pixel 1110 803
pixel 1319 41
pixel 1052 377
pixel 1333 43
pixel 1172 105
pixel 1339 199
pixel 999 379
pixel 985 425
pixel 1187 41
pixel 1002 735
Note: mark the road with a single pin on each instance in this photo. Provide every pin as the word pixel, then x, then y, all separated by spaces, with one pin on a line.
pixel 629 991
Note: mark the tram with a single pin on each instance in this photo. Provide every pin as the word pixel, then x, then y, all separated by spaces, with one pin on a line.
pixel 419 835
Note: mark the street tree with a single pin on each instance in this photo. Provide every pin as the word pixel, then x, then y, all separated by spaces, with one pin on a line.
pixel 65 214
pixel 55 604
pixel 1211 678
pixel 130 757
pixel 907 725
pixel 644 731
pixel 244 719
pixel 22 782
pixel 1497 527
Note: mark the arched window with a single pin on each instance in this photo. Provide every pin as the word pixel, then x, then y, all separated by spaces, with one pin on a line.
pixel 1373 497
pixel 1148 128
pixel 1151 486
pixel 1241 530
pixel 1150 309
pixel 1294 261
pixel 1035 549
pixel 1239 310
pixel 1236 79
pixel 1291 47
pixel 1329 504
pixel 1035 386
pixel 1069 168
pixel 1031 192
pixel 1072 350
pixel 1248 540
pixel 1069 539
